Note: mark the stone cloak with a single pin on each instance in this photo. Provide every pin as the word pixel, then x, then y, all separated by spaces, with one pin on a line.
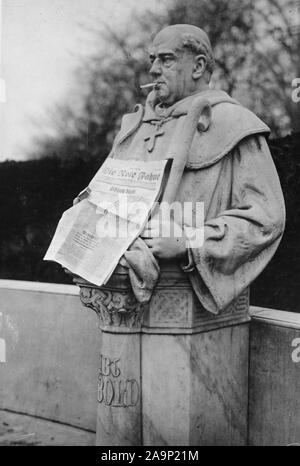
pixel 230 170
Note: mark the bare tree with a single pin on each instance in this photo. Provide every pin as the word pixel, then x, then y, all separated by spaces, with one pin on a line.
pixel 256 52
pixel 257 57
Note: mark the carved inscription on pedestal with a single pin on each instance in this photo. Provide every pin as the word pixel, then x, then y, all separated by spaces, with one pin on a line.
pixel 113 388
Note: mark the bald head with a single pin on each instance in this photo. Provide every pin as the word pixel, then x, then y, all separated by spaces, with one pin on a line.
pixel 187 36
pixel 182 62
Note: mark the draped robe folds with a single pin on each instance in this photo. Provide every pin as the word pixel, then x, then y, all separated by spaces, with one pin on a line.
pixel 230 170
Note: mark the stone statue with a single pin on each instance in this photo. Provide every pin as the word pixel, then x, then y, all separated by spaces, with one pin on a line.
pixel 229 169
pixel 174 371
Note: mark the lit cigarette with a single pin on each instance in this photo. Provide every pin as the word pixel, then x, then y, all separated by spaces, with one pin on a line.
pixel 148 85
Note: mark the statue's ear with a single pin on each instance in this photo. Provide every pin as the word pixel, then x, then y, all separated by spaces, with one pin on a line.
pixel 200 62
pixel 205 119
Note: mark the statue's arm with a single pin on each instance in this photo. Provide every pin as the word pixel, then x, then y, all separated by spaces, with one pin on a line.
pixel 240 240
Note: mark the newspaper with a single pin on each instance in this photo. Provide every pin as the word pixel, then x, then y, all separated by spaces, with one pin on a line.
pixel 92 236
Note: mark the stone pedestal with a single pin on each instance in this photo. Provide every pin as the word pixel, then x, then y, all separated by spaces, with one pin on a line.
pixel 170 373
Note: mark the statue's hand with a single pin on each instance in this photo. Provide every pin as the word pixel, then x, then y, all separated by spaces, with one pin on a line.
pixel 167 248
pixel 71 274
pixel 123 262
pixel 68 272
pixel 82 195
pixel 165 240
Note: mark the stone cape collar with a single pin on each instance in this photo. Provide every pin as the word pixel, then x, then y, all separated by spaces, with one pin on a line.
pixel 154 111
pixel 230 123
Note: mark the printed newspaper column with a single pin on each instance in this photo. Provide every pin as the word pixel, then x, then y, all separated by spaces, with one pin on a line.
pixel 93 235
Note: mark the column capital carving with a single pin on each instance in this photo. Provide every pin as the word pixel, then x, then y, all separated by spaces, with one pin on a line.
pixel 116 309
pixel 173 309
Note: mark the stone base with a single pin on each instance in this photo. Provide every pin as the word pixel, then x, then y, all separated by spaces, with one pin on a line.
pixel 170 373
pixel 119 393
pixel 195 388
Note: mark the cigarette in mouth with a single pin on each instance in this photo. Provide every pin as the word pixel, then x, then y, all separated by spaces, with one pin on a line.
pixel 145 86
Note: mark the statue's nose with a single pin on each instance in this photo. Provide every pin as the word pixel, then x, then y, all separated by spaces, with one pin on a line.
pixel 155 69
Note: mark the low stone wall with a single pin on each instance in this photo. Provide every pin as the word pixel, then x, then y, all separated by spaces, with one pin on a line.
pixel 48 353
pixel 49 361
pixel 274 378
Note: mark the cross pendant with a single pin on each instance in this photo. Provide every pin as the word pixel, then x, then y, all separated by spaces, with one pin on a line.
pixel 152 138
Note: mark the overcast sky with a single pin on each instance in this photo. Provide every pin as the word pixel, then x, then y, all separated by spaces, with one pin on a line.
pixel 40 42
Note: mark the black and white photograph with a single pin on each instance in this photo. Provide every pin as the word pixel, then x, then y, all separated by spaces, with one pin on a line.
pixel 150 225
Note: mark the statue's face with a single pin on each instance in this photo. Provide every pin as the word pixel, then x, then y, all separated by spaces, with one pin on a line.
pixel 172 67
